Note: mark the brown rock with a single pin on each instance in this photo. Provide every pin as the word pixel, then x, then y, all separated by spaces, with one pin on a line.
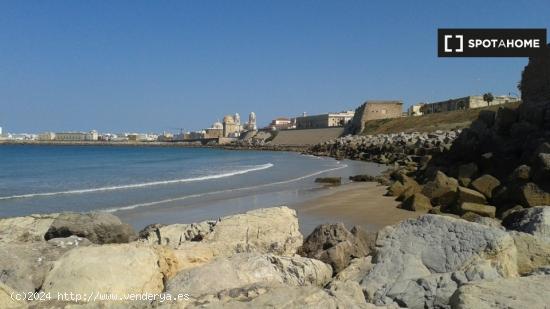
pixel 329 180
pixel 533 252
pixel 531 195
pixel 417 202
pixel 521 173
pixel 479 209
pixel 334 245
pixel 485 184
pixel 396 188
pixel 440 186
pixel 465 195
pixel 100 228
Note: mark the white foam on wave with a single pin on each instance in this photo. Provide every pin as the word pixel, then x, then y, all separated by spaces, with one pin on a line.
pixel 145 184
pixel 181 198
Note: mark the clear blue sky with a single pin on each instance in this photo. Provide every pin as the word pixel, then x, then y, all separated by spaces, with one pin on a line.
pixel 155 65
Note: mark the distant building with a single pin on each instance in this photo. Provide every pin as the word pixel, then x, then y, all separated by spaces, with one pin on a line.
pixel 232 125
pixel 70 136
pixel 76 136
pixel 470 102
pixel 215 131
pixel 1 131
pixel 415 109
pixel 46 136
pixel 372 110
pixel 251 124
pixel 165 137
pixel 141 137
pixel 281 123
pixel 324 120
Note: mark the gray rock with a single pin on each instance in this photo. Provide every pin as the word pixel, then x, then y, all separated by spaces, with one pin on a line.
pixel 509 293
pixel 266 230
pixel 342 295
pixel 420 263
pixel 99 228
pixel 535 221
pixel 246 269
pixel 24 266
pixel 24 229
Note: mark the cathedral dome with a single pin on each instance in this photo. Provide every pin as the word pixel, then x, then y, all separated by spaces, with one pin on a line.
pixel 228 119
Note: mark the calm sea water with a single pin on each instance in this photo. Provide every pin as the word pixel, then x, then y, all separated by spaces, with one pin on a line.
pixel 145 185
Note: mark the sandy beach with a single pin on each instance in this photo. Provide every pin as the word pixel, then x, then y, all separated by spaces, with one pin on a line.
pixel 362 204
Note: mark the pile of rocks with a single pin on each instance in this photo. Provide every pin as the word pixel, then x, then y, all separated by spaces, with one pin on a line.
pixel 406 149
pixel 259 259
pixel 498 165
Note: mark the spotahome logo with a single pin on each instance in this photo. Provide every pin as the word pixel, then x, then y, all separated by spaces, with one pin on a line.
pixel 490 42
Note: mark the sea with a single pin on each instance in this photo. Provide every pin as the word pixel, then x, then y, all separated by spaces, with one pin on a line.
pixel 144 185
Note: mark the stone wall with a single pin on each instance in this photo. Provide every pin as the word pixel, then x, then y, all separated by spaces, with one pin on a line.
pixel 372 110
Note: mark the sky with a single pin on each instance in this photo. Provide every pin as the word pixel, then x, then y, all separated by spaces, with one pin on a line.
pixel 153 66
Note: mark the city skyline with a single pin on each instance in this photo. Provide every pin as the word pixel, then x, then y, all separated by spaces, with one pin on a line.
pixel 143 67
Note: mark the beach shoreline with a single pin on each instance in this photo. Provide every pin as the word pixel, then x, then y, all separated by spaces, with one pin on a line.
pixel 362 204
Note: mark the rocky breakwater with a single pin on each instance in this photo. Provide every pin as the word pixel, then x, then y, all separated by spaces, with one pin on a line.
pixel 497 166
pixel 405 149
pixel 259 259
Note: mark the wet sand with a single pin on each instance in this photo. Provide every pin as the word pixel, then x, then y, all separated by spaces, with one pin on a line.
pixel 362 204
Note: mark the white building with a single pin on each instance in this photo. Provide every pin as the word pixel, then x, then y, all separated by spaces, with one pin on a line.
pixel 46 136
pixel 76 136
pixel 415 109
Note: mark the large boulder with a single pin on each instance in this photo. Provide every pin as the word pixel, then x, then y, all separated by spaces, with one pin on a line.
pixel 334 245
pixel 99 228
pixel 535 221
pixel 441 190
pixel 485 184
pixel 117 269
pixel 246 269
pixel 510 293
pixel 478 209
pixel 530 195
pixel 356 270
pixel 8 298
pixel 404 186
pixel 533 252
pixel 420 263
pixel 24 266
pixel 417 202
pixel 268 230
pixel 465 195
pixel 29 228
pixel 345 295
